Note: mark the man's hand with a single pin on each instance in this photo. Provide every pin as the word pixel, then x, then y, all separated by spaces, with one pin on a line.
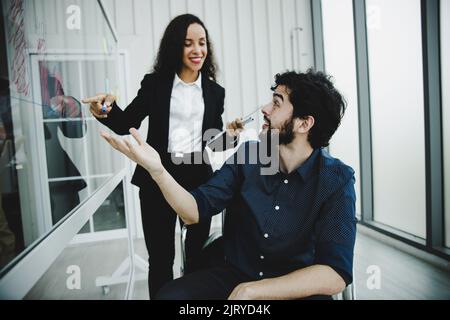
pixel 235 128
pixel 142 153
pixel 96 104
pixel 309 281
pixel 181 201
pixel 244 291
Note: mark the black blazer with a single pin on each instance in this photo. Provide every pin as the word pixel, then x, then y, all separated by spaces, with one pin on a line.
pixel 153 100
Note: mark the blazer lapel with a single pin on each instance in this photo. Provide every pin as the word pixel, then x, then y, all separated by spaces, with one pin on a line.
pixel 208 115
pixel 164 94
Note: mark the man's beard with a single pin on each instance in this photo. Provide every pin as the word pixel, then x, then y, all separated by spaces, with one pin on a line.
pixel 285 134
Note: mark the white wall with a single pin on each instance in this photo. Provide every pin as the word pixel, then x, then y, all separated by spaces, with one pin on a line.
pixel 445 85
pixel 339 47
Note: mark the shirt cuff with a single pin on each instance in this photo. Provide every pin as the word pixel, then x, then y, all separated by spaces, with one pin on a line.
pixel 106 121
pixel 202 205
pixel 338 257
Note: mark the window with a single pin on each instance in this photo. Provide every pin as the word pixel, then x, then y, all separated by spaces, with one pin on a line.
pixel 397 114
pixel 339 48
pixel 55 169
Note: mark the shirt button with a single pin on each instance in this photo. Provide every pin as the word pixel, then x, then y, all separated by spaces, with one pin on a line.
pixel 261 274
pixel 266 235
pixel 262 257
pixel 286 181
pixel 277 208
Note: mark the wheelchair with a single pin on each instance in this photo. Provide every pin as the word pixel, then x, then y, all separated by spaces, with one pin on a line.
pixel 212 244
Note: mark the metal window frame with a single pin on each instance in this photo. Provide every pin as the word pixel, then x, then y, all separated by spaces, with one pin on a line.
pixel 433 123
pixel 364 116
pixel 318 46
pixel 108 21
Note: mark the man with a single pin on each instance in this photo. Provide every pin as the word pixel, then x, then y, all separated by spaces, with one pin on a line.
pixel 289 235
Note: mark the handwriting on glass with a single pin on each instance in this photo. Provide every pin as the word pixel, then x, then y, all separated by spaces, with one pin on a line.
pixel 18 42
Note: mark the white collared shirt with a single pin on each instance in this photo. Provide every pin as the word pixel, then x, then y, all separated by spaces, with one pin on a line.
pixel 186 116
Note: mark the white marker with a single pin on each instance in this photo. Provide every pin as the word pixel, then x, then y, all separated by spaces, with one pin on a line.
pixel 244 122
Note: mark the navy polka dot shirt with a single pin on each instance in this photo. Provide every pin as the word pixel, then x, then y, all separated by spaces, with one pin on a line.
pixel 276 224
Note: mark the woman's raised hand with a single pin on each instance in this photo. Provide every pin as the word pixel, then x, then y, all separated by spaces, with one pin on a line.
pixel 100 105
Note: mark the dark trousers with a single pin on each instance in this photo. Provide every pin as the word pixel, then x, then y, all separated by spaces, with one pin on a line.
pixel 159 220
pixel 215 279
pixel 215 283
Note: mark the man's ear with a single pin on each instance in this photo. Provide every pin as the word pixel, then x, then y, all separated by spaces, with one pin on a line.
pixel 303 125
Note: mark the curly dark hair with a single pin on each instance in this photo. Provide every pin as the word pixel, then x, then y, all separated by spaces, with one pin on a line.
pixel 313 94
pixel 170 54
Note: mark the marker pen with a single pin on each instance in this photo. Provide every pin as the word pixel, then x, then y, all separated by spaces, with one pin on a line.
pixel 244 122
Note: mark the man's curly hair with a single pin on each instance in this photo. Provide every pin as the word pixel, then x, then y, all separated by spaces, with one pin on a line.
pixel 313 94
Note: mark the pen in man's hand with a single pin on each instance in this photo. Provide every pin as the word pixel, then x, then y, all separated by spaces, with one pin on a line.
pixel 243 121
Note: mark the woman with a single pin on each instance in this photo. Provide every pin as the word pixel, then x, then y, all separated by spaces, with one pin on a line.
pixel 182 101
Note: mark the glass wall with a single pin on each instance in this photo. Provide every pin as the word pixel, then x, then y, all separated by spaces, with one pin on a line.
pixel 397 113
pixel 52 158
pixel 92 270
pixel 339 48
pixel 445 85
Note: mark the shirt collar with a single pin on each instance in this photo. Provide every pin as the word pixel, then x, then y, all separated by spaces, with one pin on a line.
pixel 197 83
pixel 307 168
